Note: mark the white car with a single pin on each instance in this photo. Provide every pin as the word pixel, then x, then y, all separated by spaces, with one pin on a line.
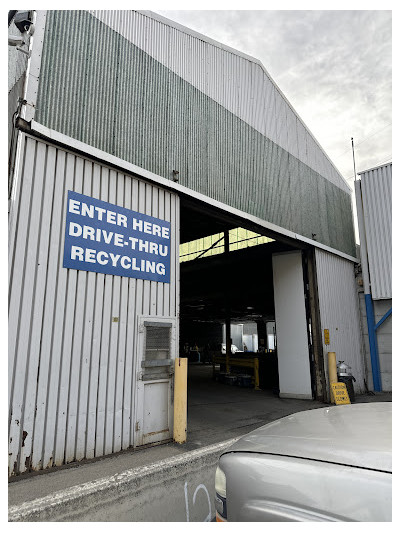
pixel 330 464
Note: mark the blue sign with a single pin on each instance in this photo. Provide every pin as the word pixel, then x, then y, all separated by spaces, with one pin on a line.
pixel 105 238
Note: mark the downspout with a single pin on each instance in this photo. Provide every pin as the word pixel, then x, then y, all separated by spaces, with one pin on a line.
pixel 373 344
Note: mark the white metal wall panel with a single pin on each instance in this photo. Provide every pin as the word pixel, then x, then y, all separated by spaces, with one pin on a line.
pixel 281 124
pixel 291 326
pixel 292 126
pixel 302 144
pixel 71 367
pixel 312 152
pixel 376 190
pixel 230 78
pixel 339 313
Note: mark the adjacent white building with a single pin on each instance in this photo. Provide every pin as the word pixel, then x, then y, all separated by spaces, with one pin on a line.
pixel 374 211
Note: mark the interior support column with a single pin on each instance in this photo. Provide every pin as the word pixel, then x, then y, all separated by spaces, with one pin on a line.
pixel 262 335
pixel 228 341
pixel 317 346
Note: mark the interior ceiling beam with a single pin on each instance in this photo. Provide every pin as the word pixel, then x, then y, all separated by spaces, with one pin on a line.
pixel 201 220
pixel 248 271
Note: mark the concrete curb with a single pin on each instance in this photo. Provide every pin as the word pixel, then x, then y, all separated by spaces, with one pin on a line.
pixel 76 502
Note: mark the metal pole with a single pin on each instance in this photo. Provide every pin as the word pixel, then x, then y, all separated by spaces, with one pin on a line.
pixel 227 306
pixel 373 344
pixel 354 159
pixel 256 374
pixel 382 320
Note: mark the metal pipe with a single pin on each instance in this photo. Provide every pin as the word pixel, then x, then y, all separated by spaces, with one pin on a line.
pixel 382 320
pixel 373 344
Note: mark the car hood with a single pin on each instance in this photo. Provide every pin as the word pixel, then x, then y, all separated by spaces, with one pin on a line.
pixel 357 435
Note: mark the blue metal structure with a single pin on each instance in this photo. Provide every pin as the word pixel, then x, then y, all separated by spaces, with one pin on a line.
pixel 373 345
pixel 382 320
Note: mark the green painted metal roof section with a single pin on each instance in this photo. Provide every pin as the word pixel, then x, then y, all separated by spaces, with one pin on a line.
pixel 97 87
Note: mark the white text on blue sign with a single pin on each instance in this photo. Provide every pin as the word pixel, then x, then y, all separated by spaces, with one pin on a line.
pixel 109 239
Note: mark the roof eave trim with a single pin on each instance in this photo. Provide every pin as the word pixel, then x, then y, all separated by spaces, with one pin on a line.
pixel 374 168
pixel 90 151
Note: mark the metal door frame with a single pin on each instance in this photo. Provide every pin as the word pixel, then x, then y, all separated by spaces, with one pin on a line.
pixel 139 437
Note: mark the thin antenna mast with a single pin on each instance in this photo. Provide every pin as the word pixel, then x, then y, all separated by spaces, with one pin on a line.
pixel 354 159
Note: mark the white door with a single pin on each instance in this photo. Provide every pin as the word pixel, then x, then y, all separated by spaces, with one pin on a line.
pixel 156 351
pixel 291 326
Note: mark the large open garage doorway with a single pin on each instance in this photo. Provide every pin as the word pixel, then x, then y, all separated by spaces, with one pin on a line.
pixel 242 291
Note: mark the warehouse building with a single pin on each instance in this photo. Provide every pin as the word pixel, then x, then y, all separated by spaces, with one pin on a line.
pixel 161 186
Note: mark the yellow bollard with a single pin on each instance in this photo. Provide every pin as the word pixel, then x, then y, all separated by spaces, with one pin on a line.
pixel 332 372
pixel 180 400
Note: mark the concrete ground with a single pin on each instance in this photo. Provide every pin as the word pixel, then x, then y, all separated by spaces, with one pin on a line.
pixel 216 412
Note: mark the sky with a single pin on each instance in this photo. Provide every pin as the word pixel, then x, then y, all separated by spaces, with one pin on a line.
pixel 334 67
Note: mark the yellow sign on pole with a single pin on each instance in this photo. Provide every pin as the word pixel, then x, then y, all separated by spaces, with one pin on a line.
pixel 340 394
pixel 326 336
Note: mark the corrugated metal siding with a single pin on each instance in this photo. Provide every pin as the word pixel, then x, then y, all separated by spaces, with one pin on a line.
pixel 99 88
pixel 376 190
pixel 233 81
pixel 71 368
pixel 339 312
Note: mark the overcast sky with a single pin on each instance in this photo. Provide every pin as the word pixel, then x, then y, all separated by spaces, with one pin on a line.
pixel 334 67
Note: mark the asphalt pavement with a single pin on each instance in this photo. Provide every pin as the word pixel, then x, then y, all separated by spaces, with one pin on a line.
pixel 216 413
